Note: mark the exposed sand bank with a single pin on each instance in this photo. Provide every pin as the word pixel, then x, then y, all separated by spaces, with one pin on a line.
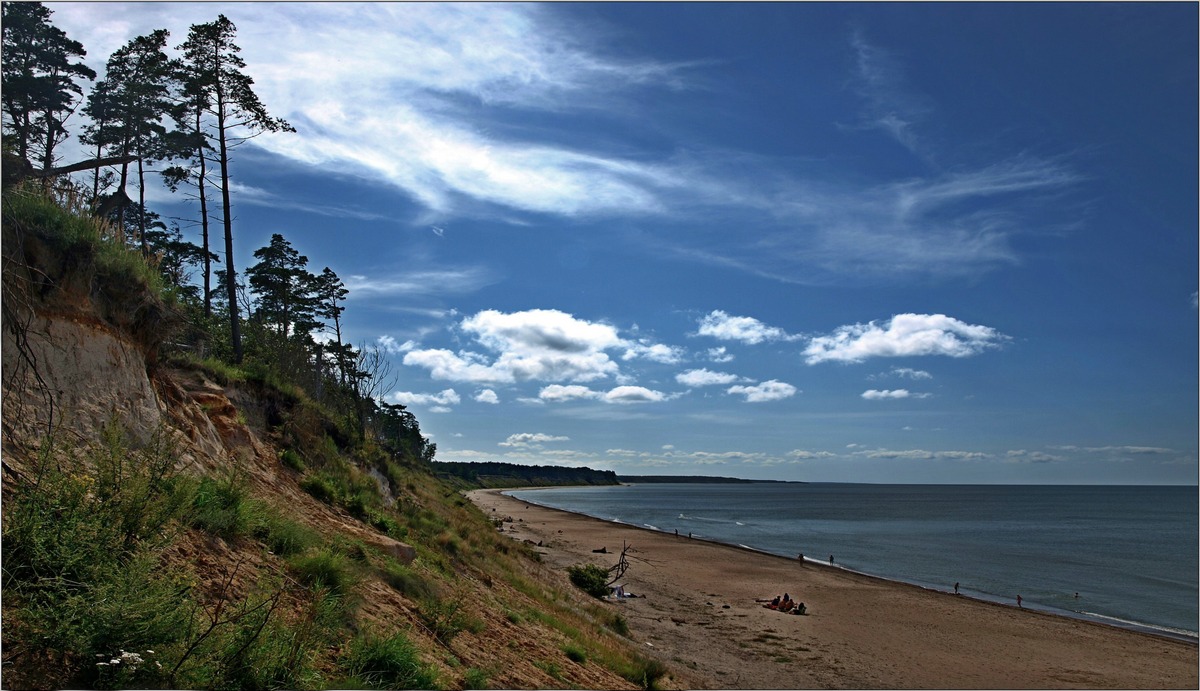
pixel 699 615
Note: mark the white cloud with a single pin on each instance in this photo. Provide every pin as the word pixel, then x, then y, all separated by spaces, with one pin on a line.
pixel 723 326
pixel 424 282
pixel 633 394
pixel 704 377
pixel 487 396
pixel 531 440
pixel 444 398
pixel 767 391
pixel 904 335
pixel 655 352
pixel 1023 456
pixel 389 345
pixel 903 373
pixel 921 454
pixel 557 393
pixel 810 455
pixel 878 395
pixel 538 345
pixel 719 355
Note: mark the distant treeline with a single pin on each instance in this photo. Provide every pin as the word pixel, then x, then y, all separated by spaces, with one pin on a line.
pixel 691 479
pixel 512 475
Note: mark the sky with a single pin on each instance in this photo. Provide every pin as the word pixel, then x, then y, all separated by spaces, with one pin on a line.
pixel 828 242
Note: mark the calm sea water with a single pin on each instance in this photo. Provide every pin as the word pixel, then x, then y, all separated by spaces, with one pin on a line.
pixel 1129 552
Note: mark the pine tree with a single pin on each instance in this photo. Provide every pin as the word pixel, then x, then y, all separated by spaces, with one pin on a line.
pixel 284 288
pixel 127 109
pixel 213 56
pixel 39 88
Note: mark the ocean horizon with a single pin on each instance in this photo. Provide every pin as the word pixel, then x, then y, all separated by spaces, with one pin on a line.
pixel 1122 555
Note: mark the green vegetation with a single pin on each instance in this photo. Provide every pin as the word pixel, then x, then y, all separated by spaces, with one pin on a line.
pixel 512 475
pixel 589 578
pixel 385 662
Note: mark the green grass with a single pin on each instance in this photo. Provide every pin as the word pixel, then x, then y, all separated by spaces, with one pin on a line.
pixel 386 662
pixel 324 568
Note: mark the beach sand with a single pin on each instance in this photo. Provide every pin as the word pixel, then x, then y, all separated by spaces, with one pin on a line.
pixel 696 611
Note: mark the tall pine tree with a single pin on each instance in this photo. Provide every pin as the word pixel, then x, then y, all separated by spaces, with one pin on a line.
pixel 237 115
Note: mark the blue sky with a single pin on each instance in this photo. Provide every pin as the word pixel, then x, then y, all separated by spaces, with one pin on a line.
pixel 890 242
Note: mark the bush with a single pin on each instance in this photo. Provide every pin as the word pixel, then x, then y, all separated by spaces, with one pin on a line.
pixel 575 654
pixel 389 662
pixel 406 581
pixel 222 507
pixel 284 536
pixel 475 679
pixel 81 553
pixel 590 578
pixel 292 460
pixel 618 624
pixel 324 569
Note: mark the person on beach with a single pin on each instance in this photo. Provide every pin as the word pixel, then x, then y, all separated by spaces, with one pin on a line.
pixel 1019 602
pixel 956 587
pixel 831 559
pixel 800 609
pixel 800 557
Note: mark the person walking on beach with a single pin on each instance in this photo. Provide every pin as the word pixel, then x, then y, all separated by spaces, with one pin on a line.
pixel 956 587
pixel 1019 602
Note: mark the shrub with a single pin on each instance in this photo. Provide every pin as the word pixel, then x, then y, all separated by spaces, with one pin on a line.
pixel 475 679
pixel 575 654
pixel 292 460
pixel 284 536
pixel 319 487
pixel 446 619
pixel 618 624
pixel 406 581
pixel 222 507
pixel 324 569
pixel 589 578
pixel 390 662
pixel 646 673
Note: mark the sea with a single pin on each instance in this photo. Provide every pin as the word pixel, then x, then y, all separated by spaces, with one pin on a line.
pixel 1126 556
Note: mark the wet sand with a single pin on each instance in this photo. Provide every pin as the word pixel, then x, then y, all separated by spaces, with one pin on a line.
pixel 700 616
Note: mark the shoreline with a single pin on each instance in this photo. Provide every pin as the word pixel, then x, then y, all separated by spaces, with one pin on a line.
pixel 1149 629
pixel 700 616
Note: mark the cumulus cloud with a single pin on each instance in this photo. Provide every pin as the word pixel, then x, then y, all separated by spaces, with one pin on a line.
pixel 719 355
pixel 878 395
pixel 557 393
pixel 540 345
pixel 723 326
pixel 902 373
pixel 904 335
pixel 530 440
pixel 487 396
pixel 772 390
pixel 442 399
pixel 704 377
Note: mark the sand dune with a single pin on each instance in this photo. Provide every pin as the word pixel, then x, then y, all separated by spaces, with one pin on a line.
pixel 699 615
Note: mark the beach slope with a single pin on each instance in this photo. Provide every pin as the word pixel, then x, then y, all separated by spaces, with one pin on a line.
pixel 697 612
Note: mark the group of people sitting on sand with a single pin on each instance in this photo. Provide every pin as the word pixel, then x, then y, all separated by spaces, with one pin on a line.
pixel 786 605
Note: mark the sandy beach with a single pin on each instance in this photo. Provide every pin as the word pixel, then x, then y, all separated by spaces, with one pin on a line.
pixel 697 611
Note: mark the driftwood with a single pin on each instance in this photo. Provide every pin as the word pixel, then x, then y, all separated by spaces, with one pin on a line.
pixel 617 571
